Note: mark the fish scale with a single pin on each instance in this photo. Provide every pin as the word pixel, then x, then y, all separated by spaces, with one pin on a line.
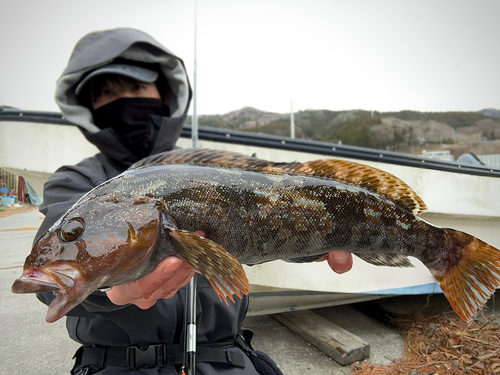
pixel 252 211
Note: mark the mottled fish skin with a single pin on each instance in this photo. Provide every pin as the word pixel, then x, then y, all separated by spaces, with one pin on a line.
pixel 252 211
pixel 261 217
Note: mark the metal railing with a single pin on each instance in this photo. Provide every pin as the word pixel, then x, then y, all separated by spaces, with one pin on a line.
pixel 283 143
pixel 8 180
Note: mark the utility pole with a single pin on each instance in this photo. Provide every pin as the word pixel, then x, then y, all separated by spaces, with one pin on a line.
pixel 292 124
pixel 194 125
pixel 189 365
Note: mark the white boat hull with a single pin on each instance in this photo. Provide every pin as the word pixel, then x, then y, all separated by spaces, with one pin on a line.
pixel 470 203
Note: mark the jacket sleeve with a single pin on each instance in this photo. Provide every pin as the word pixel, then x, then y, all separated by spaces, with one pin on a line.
pixel 61 191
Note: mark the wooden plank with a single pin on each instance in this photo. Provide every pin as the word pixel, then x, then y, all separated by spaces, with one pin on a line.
pixel 336 342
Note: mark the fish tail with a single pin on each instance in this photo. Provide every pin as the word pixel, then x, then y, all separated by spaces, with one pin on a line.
pixel 221 269
pixel 473 276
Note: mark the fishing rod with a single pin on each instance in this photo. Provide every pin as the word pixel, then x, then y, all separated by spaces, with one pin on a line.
pixel 191 327
pixel 189 363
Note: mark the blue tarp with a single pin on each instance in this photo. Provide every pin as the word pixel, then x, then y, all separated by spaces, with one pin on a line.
pixel 34 197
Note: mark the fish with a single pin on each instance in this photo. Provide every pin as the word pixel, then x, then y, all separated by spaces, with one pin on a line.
pixel 251 211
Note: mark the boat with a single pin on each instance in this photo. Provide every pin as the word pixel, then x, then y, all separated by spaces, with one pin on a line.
pixel 461 196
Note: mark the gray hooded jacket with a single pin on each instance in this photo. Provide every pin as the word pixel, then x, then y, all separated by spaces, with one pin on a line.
pixel 96 321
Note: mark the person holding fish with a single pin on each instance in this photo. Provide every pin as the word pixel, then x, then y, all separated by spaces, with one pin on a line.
pixel 130 96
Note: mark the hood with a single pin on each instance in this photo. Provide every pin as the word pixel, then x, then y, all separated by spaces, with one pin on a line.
pixel 101 48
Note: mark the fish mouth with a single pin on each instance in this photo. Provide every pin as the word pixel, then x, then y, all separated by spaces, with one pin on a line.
pixel 62 280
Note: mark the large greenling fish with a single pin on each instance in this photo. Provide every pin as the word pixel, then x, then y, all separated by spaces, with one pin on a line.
pixel 252 211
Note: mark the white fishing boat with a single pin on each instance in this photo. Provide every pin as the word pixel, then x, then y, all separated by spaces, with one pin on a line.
pixel 464 197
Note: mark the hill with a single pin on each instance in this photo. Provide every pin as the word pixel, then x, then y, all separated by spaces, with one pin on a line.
pixel 490 112
pixel 403 131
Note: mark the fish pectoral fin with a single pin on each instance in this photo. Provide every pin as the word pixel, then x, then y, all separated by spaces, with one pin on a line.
pixel 388 260
pixel 221 269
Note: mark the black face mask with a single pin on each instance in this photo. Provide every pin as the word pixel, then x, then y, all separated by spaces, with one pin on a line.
pixel 134 120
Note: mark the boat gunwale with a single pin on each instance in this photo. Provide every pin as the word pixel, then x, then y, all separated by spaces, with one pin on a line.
pixel 282 143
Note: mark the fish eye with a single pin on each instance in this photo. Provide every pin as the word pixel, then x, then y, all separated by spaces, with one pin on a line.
pixel 71 230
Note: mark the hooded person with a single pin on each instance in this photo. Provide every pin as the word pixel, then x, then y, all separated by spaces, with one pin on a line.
pixel 126 339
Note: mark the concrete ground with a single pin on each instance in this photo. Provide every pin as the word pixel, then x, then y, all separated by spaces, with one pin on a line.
pixel 29 345
pixel 296 356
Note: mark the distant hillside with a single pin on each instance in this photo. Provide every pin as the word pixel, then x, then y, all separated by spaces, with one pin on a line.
pixel 245 118
pixel 402 131
pixel 490 112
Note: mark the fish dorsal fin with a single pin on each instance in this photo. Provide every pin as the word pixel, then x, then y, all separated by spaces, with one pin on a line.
pixel 198 156
pixel 370 178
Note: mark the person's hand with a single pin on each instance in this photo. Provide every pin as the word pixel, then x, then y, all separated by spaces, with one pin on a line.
pixel 339 261
pixel 164 281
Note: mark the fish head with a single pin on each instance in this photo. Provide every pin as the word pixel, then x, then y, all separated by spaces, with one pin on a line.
pixel 100 242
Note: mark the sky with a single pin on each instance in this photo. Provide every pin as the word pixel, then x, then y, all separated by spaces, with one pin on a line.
pixel 383 55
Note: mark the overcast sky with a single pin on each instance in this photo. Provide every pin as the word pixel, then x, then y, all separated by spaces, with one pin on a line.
pixel 338 55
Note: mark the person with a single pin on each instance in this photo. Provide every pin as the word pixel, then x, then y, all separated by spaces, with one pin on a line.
pixel 129 96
